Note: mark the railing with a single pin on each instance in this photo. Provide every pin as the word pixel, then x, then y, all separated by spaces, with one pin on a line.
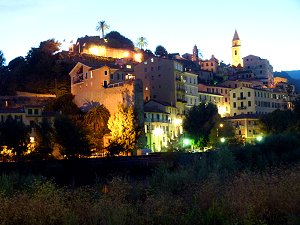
pixel 241 98
pixel 242 107
pixel 115 85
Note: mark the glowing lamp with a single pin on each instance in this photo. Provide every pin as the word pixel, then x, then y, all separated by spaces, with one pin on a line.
pixel 158 131
pixel 186 141
pixel 259 138
pixel 222 139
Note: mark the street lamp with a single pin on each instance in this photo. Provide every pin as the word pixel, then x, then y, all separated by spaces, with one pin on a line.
pixel 221 125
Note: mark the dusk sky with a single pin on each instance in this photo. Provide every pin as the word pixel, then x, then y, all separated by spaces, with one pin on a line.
pixel 267 28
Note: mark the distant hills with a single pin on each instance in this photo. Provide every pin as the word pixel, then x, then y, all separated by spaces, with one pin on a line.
pixel 293 77
pixel 294 74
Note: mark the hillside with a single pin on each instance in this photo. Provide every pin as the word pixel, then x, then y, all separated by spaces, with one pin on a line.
pixel 294 74
pixel 291 78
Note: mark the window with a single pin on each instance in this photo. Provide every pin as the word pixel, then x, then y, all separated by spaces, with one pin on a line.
pixel 249 103
pixel 36 111
pixel 105 72
pixel 111 76
pixel 225 99
pixel 235 52
pixel 233 95
pixel 29 111
pixel 105 83
pixel 118 76
pixel 234 104
pixel 249 94
pixel 86 75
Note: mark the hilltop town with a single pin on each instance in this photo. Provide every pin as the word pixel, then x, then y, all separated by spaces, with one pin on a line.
pixel 160 87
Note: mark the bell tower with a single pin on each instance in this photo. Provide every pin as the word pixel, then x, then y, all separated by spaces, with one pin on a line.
pixel 236 50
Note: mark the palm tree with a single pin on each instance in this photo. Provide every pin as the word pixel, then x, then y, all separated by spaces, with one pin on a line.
pixel 142 42
pixel 101 27
pixel 96 121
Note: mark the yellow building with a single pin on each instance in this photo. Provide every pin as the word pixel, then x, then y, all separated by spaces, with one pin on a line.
pixel 245 100
pixel 246 127
pixel 162 124
pixel 236 51
pixel 219 95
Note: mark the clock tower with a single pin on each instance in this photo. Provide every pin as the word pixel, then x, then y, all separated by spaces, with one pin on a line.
pixel 236 50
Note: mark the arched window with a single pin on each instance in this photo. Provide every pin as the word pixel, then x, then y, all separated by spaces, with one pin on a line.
pixel 235 52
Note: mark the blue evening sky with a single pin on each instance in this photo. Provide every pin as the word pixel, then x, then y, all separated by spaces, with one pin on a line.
pixel 267 28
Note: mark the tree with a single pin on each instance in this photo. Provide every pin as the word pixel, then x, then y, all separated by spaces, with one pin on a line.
pixel 124 128
pixel 222 129
pixel 278 121
pixel 2 59
pixel 199 122
pixel 71 137
pixel 65 105
pixel 101 27
pixel 14 135
pixel 142 42
pixel 96 120
pixel 44 140
pixel 116 40
pixel 160 51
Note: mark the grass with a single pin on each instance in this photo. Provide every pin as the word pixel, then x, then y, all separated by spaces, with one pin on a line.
pixel 185 195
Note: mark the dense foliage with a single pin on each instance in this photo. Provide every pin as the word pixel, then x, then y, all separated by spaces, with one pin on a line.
pixel 199 121
pixel 41 71
pixel 116 40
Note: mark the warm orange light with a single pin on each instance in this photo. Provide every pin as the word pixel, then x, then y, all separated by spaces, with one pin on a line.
pixel 126 54
pixel 94 50
pixel 138 57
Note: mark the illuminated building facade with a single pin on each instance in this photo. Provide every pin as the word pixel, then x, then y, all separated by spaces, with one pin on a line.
pixel 246 127
pixel 236 51
pixel 162 124
pixel 94 45
pixel 245 100
pixel 106 85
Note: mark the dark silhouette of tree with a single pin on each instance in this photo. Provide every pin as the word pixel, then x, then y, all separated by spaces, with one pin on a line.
pixel 116 40
pixel 96 120
pixel 2 59
pixel 44 140
pixel 102 26
pixel 14 135
pixel 222 129
pixel 65 105
pixel 160 51
pixel 278 121
pixel 199 122
pixel 71 137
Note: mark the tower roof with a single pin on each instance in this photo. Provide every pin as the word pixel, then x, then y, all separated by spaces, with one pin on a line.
pixel 235 36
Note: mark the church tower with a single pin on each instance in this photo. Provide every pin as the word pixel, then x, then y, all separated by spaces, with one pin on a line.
pixel 236 50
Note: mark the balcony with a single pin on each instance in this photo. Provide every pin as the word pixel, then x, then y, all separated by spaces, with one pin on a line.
pixel 181 100
pixel 241 98
pixel 242 107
